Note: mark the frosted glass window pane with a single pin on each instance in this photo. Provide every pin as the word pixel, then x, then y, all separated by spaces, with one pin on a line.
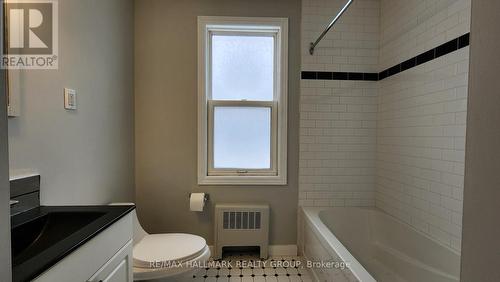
pixel 242 67
pixel 242 137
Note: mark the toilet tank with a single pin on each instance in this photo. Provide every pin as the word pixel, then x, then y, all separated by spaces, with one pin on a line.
pixel 241 225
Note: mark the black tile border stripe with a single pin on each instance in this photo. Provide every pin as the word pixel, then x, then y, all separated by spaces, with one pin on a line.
pixel 325 75
pixel 441 50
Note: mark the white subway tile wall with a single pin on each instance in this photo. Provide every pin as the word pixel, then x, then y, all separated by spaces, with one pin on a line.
pixel 398 143
pixel 337 143
pixel 338 118
pixel 352 45
pixel 421 117
pixel 411 27
pixel 421 146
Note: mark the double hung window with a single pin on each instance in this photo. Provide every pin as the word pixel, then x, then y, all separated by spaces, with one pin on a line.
pixel 242 138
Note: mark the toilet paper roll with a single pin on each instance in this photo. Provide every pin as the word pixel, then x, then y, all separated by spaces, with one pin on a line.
pixel 197 202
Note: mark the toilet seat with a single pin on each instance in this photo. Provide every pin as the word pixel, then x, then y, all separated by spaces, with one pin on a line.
pixel 167 248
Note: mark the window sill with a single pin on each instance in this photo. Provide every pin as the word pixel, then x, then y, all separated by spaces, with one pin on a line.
pixel 243 180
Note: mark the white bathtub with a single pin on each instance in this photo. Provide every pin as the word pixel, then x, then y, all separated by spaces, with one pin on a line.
pixel 376 246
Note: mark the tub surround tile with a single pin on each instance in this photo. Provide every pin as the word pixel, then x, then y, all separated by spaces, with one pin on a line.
pixel 420 159
pixel 464 41
pixel 337 143
pixel 420 125
pixel 398 143
pixel 434 53
pixel 351 46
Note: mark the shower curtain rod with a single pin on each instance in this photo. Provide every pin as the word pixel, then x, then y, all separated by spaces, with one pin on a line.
pixel 313 45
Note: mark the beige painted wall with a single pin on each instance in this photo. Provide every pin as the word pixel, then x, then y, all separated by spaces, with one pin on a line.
pixel 86 156
pixel 166 117
pixel 481 228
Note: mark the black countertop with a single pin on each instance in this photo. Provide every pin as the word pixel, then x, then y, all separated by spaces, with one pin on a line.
pixel 25 268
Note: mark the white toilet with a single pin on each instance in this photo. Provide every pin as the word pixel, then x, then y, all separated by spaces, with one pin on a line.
pixel 167 257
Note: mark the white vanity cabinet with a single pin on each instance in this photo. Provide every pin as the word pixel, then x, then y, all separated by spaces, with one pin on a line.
pixel 105 258
pixel 117 269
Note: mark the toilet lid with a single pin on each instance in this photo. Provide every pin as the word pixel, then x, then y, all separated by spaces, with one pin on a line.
pixel 162 248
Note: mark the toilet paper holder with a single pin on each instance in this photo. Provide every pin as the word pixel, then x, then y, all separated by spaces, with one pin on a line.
pixel 206 198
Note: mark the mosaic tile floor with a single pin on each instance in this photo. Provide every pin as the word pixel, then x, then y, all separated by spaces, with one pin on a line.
pixel 248 268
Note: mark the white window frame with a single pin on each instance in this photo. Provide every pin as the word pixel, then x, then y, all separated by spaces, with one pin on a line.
pixel 277 174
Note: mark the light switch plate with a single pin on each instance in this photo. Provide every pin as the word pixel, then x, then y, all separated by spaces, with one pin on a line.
pixel 69 99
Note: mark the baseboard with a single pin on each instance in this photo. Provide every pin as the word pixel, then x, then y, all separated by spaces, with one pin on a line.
pixel 283 250
pixel 275 250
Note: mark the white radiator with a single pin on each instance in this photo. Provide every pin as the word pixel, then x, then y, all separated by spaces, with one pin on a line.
pixel 241 225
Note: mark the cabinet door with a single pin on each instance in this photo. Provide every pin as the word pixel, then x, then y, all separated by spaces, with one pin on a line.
pixel 118 268
pixel 119 274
